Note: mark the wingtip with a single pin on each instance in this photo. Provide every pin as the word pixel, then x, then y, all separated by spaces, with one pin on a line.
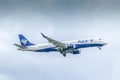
pixel 43 35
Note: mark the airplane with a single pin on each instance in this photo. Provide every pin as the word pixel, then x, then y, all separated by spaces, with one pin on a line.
pixel 64 47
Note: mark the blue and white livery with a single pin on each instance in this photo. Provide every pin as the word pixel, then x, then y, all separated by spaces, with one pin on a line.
pixel 62 47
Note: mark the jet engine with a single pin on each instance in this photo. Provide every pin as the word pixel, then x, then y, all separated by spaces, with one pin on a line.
pixel 76 52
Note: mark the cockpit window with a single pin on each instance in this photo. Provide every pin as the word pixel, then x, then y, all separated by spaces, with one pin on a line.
pixel 91 40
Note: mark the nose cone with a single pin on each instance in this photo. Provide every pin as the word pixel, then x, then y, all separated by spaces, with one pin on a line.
pixel 105 43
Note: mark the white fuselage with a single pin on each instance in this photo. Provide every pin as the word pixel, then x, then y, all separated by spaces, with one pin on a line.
pixel 46 47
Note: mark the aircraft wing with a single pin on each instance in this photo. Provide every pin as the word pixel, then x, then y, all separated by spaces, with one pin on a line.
pixel 54 42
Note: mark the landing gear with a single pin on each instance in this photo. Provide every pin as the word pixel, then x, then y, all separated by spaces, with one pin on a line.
pixel 99 48
pixel 79 51
pixel 64 54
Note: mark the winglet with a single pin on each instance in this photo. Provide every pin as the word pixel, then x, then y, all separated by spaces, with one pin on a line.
pixel 43 35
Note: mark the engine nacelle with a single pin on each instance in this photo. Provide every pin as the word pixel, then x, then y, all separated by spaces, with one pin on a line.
pixel 60 49
pixel 69 46
pixel 76 52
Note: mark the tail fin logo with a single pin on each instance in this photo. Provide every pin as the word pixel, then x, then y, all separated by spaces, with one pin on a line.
pixel 24 41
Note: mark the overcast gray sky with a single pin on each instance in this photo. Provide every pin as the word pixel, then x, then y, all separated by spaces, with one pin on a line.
pixel 62 20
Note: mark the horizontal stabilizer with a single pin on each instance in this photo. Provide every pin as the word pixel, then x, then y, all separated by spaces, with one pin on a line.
pixel 22 47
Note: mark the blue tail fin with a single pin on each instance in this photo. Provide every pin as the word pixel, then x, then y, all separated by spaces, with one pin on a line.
pixel 24 41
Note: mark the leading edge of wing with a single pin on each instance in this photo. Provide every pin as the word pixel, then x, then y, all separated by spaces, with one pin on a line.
pixel 54 42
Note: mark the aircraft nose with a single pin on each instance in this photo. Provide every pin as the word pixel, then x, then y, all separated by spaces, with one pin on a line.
pixel 105 43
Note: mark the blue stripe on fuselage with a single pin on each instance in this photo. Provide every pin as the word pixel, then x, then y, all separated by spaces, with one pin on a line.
pixel 87 45
pixel 47 49
pixel 77 46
